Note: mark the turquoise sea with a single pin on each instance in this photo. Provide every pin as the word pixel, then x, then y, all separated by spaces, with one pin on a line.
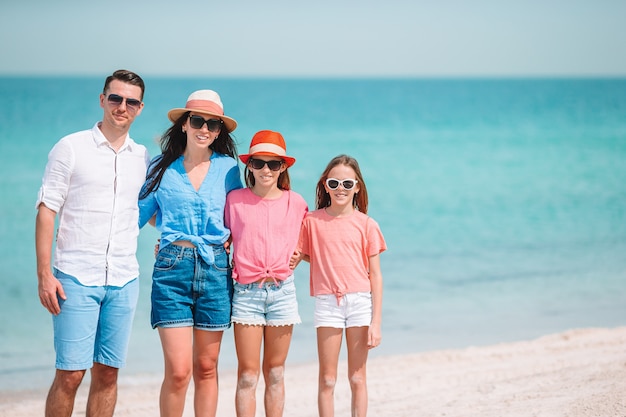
pixel 503 201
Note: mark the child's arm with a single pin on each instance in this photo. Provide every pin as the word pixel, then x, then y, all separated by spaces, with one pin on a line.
pixel 296 257
pixel 374 335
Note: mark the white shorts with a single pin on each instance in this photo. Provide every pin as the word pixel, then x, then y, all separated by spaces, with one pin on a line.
pixel 351 310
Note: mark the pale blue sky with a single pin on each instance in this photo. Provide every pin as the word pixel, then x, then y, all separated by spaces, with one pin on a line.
pixel 319 38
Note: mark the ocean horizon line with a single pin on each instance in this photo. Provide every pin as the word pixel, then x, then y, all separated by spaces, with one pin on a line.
pixel 304 77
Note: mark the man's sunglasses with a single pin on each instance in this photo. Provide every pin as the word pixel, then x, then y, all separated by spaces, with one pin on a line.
pixel 259 164
pixel 131 103
pixel 334 183
pixel 197 122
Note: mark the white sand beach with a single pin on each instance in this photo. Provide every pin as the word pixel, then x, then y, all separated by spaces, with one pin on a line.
pixel 578 373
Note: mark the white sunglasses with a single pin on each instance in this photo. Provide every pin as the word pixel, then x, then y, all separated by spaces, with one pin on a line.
pixel 333 183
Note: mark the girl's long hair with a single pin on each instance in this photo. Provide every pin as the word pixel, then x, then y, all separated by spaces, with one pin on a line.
pixel 173 144
pixel 359 201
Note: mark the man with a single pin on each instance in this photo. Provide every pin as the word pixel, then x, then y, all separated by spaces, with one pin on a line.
pixel 92 180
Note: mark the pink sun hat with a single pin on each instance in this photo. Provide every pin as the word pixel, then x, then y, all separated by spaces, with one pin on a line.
pixel 205 102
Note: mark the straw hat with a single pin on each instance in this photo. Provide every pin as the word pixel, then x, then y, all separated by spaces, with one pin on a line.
pixel 204 102
pixel 268 143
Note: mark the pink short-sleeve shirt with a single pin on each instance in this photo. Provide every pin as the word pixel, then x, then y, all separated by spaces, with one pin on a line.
pixel 339 249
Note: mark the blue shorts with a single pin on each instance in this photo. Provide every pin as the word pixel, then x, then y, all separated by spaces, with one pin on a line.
pixel 94 324
pixel 271 304
pixel 351 310
pixel 186 291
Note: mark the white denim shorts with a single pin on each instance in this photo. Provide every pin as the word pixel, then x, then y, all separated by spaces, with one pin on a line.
pixel 351 310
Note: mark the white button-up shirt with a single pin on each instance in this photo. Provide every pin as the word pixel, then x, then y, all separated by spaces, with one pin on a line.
pixel 94 190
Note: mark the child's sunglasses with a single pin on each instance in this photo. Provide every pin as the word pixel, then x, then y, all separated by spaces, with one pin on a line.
pixel 259 164
pixel 334 183
pixel 197 122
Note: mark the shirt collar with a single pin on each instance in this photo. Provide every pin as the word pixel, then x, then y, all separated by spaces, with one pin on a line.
pixel 100 140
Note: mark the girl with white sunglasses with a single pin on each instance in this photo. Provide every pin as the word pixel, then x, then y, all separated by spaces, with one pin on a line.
pixel 343 245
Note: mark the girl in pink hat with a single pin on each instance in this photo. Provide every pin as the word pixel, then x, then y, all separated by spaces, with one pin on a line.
pixel 343 245
pixel 264 220
pixel 184 197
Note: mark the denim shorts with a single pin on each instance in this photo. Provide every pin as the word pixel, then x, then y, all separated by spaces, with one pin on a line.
pixel 271 304
pixel 94 324
pixel 351 310
pixel 186 291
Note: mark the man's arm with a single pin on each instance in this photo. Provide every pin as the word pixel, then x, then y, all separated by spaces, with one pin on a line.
pixel 48 285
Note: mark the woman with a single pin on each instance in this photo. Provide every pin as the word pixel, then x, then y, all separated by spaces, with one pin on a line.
pixel 184 196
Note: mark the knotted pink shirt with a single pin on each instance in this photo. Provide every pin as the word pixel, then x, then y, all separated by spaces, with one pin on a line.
pixel 265 233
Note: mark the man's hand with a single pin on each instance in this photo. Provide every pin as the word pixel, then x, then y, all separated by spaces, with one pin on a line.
pixel 50 290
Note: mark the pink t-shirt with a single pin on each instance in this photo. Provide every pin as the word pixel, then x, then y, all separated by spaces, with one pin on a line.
pixel 339 249
pixel 265 233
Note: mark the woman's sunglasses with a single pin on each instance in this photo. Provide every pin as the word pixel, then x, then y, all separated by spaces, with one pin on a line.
pixel 131 103
pixel 197 122
pixel 334 183
pixel 259 164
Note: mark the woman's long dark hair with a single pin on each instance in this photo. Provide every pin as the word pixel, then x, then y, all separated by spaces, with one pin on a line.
pixel 173 144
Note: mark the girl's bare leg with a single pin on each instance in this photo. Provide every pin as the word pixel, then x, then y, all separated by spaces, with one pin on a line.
pixel 356 344
pixel 248 341
pixel 328 346
pixel 276 347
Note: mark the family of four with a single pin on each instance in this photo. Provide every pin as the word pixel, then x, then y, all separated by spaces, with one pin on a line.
pixel 226 256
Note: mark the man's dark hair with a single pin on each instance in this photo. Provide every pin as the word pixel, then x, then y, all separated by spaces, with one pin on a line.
pixel 125 76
